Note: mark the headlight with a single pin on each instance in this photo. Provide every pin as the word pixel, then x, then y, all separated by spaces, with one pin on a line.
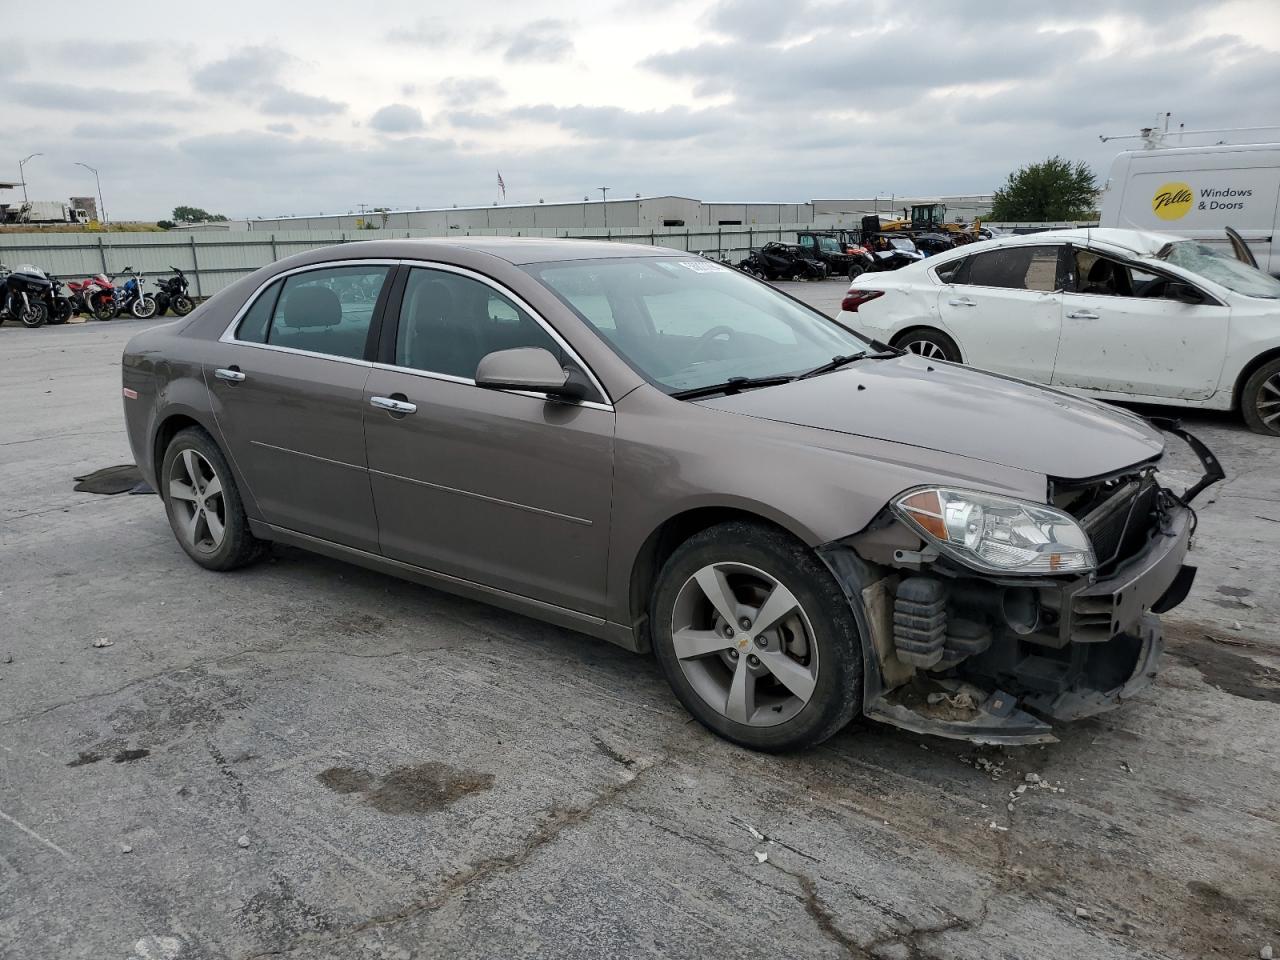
pixel 997 534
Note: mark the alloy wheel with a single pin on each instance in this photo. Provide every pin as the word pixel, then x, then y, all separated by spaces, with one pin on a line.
pixel 1268 403
pixel 926 348
pixel 745 644
pixel 195 491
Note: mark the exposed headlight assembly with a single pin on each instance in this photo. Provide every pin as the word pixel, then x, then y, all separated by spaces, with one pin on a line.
pixel 997 534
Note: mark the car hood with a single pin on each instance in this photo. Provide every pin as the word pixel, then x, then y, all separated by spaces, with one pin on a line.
pixel 959 410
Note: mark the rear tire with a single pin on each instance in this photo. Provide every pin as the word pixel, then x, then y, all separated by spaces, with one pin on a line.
pixel 105 311
pixel 183 305
pixel 741 688
pixel 1260 399
pixel 856 271
pixel 929 343
pixel 203 503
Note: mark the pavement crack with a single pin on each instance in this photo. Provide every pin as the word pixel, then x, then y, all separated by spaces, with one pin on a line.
pixel 822 916
pixel 560 820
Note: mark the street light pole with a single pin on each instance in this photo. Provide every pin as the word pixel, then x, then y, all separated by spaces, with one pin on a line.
pixel 102 207
pixel 22 176
pixel 604 204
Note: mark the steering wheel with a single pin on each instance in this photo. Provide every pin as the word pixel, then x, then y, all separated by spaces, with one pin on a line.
pixel 704 341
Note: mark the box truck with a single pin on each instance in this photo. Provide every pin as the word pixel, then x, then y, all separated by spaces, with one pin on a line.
pixel 1198 192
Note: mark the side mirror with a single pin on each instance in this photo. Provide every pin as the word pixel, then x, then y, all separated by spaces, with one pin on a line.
pixel 1183 292
pixel 529 368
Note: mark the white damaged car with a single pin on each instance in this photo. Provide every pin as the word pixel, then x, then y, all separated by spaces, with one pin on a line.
pixel 1116 314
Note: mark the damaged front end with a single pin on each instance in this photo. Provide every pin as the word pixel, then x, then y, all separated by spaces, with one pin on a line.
pixel 959 649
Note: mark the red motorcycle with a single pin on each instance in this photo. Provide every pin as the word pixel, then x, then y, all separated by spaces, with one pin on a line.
pixel 95 296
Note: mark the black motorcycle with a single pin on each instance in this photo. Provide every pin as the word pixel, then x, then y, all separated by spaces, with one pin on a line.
pixel 23 293
pixel 173 293
pixel 58 305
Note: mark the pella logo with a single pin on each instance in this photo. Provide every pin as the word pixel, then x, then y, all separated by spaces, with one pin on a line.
pixel 1172 201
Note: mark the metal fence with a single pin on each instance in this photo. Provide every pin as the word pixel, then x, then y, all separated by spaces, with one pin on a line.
pixel 215 260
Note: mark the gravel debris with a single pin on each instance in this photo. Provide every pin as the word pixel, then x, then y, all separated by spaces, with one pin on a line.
pixel 103 642
pixel 243 841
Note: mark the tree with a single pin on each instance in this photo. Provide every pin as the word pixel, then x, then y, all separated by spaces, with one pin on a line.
pixel 1056 189
pixel 196 215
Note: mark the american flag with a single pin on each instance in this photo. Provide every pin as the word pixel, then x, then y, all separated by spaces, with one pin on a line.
pixel 502 185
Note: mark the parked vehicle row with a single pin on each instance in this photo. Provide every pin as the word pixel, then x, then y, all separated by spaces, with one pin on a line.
pixel 33 297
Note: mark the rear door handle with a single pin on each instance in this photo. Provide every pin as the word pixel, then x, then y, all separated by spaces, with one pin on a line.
pixel 393 406
pixel 1082 315
pixel 962 302
pixel 230 374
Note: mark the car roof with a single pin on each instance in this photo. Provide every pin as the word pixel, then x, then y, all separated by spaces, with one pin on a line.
pixel 515 250
pixel 1142 243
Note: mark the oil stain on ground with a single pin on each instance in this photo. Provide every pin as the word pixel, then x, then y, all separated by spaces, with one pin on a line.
pixel 1233 673
pixel 417 789
pixel 121 756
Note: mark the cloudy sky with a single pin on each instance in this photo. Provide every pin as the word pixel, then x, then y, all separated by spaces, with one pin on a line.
pixel 270 108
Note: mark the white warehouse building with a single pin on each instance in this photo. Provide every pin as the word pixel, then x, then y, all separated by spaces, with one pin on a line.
pixel 637 214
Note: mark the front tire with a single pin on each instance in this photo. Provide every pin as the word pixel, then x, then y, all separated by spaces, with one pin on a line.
pixel 787 686
pixel 144 308
pixel 1260 399
pixel 203 504
pixel 928 343
pixel 35 315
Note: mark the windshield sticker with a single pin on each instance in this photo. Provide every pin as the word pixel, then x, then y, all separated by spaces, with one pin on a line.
pixel 701 266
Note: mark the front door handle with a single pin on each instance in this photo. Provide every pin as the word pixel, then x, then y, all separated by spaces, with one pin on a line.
pixel 1082 315
pixel 392 405
pixel 230 374
pixel 961 302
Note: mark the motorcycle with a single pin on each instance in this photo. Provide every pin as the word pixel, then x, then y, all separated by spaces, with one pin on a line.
pixel 58 304
pixel 95 296
pixel 22 295
pixel 173 293
pixel 130 298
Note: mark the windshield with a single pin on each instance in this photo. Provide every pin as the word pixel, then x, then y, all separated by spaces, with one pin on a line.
pixel 828 244
pixel 1222 268
pixel 689 323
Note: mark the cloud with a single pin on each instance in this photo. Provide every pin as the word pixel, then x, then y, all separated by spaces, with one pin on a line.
pixel 283 102
pixel 65 96
pixel 470 120
pixel 427 32
pixel 123 131
pixel 539 41
pixel 249 68
pixel 615 123
pixel 464 91
pixel 397 118
pixel 282 128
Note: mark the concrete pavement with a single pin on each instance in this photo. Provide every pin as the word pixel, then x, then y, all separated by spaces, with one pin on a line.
pixel 305 759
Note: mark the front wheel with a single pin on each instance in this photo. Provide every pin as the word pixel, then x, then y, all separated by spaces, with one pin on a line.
pixel 34 315
pixel 203 504
pixel 756 638
pixel 144 308
pixel 1260 399
pixel 928 343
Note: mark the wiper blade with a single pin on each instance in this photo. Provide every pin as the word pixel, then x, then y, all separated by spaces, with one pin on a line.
pixel 834 364
pixel 732 385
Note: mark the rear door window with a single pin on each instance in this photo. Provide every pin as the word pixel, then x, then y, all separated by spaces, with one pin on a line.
pixel 327 310
pixel 1016 268
pixel 253 325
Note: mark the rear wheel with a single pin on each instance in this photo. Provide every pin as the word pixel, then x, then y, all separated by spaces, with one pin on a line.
pixel 856 271
pixel 1260 399
pixel 929 343
pixel 106 310
pixel 203 504
pixel 183 305
pixel 756 638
